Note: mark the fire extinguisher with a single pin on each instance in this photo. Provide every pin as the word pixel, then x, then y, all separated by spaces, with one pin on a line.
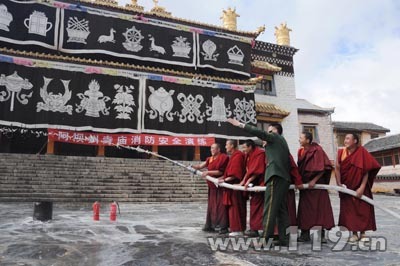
pixel 113 210
pixel 96 211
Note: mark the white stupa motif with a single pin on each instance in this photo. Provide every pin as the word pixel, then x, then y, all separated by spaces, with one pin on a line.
pixel 218 111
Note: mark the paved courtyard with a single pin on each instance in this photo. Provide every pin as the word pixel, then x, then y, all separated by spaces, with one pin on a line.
pixel 170 234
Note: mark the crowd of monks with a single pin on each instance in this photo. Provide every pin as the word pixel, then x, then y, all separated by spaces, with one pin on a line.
pixel 272 166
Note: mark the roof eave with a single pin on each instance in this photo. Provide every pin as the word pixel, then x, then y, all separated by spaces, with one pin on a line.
pixel 323 111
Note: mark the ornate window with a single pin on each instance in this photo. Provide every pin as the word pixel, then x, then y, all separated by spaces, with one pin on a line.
pixel 266 87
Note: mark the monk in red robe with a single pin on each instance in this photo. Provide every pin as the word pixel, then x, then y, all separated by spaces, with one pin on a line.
pixel 217 212
pixel 356 168
pixel 255 170
pixel 295 178
pixel 315 207
pixel 234 199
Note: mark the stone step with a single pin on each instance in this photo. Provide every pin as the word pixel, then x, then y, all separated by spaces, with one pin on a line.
pixel 101 178
pixel 101 184
pixel 101 190
pixel 103 200
pixel 33 170
pixel 50 196
pixel 28 178
pixel 119 182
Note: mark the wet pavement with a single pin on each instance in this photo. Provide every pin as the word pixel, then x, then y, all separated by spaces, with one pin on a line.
pixel 170 234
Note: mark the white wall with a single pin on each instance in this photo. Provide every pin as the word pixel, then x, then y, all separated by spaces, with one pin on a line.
pixel 286 99
pixel 390 170
pixel 324 129
pixel 366 136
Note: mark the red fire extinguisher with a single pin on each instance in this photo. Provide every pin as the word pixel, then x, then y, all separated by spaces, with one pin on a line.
pixel 113 210
pixel 96 211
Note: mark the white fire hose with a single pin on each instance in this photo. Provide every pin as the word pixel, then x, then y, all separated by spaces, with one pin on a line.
pixel 262 188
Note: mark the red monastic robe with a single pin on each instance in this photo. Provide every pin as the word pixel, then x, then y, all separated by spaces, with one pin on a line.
pixel 355 214
pixel 217 212
pixel 234 199
pixel 291 196
pixel 255 165
pixel 315 207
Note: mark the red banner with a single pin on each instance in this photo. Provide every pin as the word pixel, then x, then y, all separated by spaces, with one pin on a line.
pixel 92 138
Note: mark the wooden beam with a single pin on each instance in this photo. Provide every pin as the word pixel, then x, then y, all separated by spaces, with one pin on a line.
pixel 269 119
pixel 50 147
pixel 154 148
pixel 100 151
pixel 196 153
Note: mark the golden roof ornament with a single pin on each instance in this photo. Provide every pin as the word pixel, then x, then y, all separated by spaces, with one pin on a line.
pixel 282 34
pixel 260 30
pixel 133 6
pixel 106 2
pixel 256 79
pixel 265 65
pixel 229 19
pixel 159 10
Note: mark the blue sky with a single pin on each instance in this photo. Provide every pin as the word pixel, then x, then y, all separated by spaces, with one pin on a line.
pixel 349 50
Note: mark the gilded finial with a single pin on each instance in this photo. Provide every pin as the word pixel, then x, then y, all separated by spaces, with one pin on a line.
pixel 260 29
pixel 107 2
pixel 282 34
pixel 159 10
pixel 133 6
pixel 229 18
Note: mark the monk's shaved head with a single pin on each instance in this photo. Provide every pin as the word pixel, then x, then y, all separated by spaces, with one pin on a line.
pixel 216 145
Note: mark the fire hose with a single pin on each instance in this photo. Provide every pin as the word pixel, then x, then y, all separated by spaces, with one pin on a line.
pixel 341 189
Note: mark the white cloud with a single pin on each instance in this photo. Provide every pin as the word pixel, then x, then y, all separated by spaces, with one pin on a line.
pixel 363 87
pixel 353 66
pixel 349 50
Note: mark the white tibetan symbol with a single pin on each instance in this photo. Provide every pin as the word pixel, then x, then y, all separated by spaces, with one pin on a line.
pixel 133 37
pixel 5 18
pixel 209 49
pixel 107 38
pixel 78 30
pixel 161 104
pixel 15 86
pixel 191 108
pixel 181 47
pixel 37 23
pixel 123 100
pixel 218 111
pixel 235 55
pixel 245 111
pixel 154 47
pixel 93 101
pixel 55 102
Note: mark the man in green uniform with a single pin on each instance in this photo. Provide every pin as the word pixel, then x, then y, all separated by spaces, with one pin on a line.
pixel 277 179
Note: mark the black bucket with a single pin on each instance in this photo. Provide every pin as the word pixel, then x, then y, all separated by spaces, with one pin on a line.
pixel 43 211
